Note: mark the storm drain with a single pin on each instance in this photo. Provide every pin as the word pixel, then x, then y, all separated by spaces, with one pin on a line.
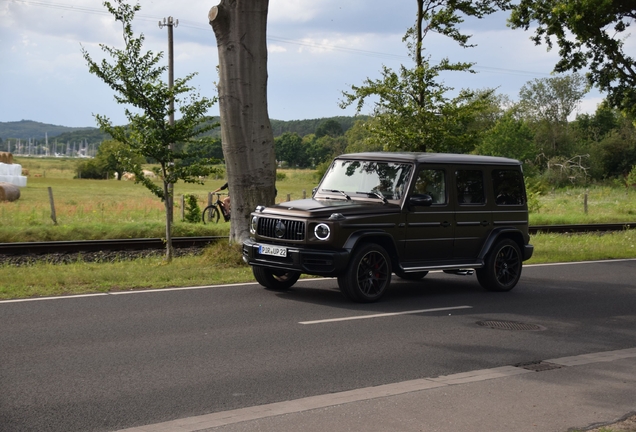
pixel 510 325
pixel 539 366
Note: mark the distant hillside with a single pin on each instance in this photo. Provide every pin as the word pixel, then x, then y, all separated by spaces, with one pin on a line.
pixel 26 129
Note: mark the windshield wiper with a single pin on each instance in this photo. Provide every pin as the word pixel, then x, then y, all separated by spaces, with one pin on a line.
pixel 377 195
pixel 340 192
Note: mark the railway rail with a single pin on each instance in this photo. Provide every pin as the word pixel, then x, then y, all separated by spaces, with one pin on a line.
pixel 41 248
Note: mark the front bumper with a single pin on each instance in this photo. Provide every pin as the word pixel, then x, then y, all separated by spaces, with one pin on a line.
pixel 300 259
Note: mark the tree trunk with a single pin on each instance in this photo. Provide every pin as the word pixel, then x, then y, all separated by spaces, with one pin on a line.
pixel 240 27
pixel 168 206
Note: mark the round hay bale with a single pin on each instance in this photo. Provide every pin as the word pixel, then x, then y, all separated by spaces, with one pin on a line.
pixel 9 192
pixel 6 157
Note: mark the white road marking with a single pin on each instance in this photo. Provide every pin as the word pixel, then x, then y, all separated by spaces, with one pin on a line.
pixel 383 315
pixel 143 291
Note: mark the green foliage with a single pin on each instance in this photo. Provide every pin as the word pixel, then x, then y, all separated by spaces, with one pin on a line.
pixel 617 151
pixel 329 127
pixel 631 177
pixel 113 157
pixel 547 103
pixel 414 113
pixel 280 176
pixel 289 148
pixel 413 110
pixel 562 171
pixel 509 137
pixel 135 77
pixel 192 209
pixel 589 34
pixel 90 169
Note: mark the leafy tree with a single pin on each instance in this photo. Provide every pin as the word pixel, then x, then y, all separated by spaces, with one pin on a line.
pixel 135 77
pixel 290 149
pixel 593 128
pixel 329 127
pixel 590 34
pixel 112 155
pixel 509 137
pixel 212 149
pixel 240 27
pixel 359 139
pixel 617 151
pixel 414 111
pixel 548 102
pixel 89 169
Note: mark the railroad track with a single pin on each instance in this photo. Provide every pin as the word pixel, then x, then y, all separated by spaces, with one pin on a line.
pixel 39 248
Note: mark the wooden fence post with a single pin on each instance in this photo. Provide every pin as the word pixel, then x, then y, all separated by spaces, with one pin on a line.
pixel 53 216
pixel 585 202
pixel 182 208
pixel 304 194
pixel 288 197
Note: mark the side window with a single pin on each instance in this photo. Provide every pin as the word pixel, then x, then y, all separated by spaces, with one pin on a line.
pixel 431 182
pixel 508 187
pixel 470 187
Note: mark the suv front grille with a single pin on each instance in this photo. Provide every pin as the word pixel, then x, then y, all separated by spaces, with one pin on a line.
pixel 282 229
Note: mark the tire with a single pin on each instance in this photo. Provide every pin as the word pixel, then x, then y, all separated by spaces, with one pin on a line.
pixel 503 267
pixel 368 275
pixel 411 276
pixel 211 214
pixel 275 280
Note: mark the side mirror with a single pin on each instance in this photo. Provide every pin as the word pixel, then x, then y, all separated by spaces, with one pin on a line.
pixel 313 191
pixel 420 200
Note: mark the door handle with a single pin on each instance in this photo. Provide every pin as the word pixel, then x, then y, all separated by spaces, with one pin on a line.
pixel 485 223
pixel 446 224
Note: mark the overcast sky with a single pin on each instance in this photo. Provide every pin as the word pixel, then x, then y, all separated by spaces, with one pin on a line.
pixel 317 49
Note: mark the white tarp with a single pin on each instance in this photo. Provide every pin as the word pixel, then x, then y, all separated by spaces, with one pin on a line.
pixel 12 173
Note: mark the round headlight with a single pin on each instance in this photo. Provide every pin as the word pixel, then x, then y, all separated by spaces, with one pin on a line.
pixel 322 231
pixel 253 224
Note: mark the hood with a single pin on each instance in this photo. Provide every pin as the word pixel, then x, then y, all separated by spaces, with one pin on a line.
pixel 313 208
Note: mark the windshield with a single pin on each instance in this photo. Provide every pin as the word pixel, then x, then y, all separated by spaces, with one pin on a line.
pixel 388 179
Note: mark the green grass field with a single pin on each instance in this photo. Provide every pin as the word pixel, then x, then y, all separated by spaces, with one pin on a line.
pixel 94 209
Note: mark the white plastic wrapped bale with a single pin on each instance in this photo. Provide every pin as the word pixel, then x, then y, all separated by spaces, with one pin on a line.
pixel 12 173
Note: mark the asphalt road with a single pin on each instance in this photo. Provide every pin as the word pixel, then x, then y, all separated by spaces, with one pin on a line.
pixel 107 362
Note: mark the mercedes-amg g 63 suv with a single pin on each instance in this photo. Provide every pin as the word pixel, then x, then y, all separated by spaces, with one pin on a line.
pixel 374 214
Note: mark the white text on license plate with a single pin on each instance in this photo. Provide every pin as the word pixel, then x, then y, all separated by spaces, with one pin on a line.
pixel 272 250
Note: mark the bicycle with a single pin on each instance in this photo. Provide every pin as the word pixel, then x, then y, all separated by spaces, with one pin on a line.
pixel 213 212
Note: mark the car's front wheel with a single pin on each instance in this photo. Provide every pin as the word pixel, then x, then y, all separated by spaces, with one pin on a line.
pixel 275 280
pixel 368 275
pixel 502 269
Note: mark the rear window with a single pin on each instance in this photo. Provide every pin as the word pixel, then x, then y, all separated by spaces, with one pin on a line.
pixel 508 187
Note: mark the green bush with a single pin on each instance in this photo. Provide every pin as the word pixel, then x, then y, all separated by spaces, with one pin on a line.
pixel 192 209
pixel 90 169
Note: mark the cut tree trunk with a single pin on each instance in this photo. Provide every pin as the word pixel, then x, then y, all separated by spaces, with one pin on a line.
pixel 240 27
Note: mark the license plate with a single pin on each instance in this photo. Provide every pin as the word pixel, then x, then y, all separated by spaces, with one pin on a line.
pixel 272 250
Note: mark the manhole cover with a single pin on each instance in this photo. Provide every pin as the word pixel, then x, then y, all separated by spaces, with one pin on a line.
pixel 539 366
pixel 510 325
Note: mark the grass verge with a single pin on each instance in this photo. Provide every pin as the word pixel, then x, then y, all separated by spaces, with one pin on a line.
pixel 220 264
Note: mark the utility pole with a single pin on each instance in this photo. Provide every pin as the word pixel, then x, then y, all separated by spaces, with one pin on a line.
pixel 170 23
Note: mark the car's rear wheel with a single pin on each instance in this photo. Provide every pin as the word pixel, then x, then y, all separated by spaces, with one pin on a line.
pixel 502 269
pixel 275 280
pixel 368 275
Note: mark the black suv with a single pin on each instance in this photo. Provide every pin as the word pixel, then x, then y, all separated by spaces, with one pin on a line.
pixel 375 214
